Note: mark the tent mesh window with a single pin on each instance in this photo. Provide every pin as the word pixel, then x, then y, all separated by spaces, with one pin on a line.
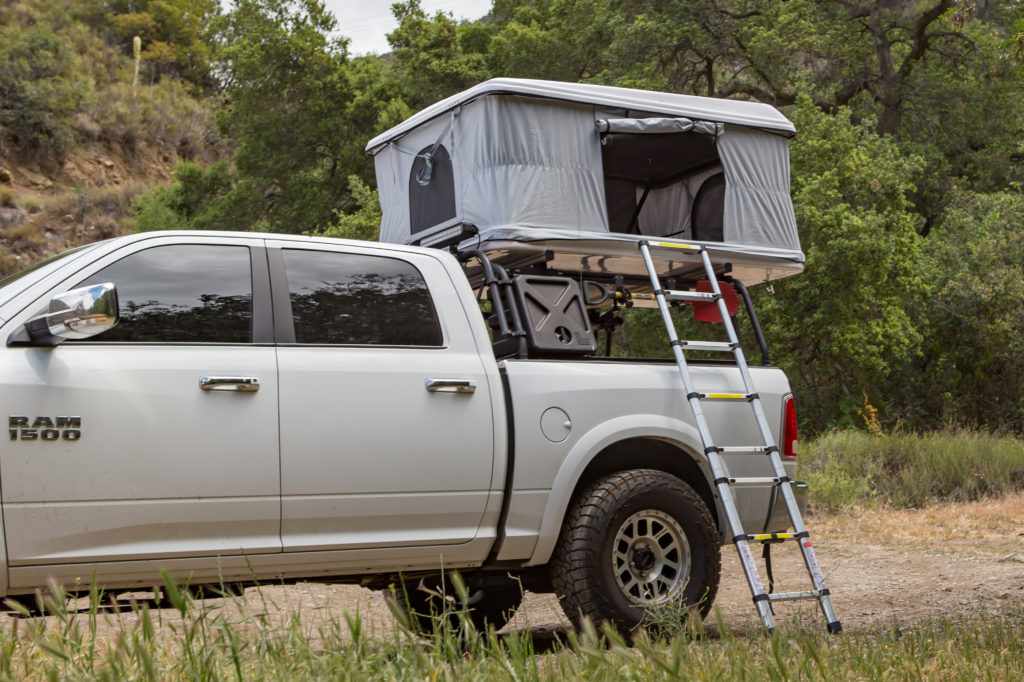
pixel 664 185
pixel 431 189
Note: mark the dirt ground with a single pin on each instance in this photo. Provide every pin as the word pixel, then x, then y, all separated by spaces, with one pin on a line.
pixel 884 568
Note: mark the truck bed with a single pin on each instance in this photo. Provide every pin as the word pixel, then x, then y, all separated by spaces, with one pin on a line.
pixel 607 402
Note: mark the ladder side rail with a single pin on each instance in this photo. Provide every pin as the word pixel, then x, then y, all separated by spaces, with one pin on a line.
pixel 757 589
pixel 796 518
pixel 741 361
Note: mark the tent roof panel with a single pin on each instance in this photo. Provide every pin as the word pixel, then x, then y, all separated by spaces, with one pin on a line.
pixel 748 114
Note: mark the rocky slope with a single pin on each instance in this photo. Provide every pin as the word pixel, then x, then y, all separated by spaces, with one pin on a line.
pixel 88 198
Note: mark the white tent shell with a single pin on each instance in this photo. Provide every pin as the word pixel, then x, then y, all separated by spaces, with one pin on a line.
pixel 585 171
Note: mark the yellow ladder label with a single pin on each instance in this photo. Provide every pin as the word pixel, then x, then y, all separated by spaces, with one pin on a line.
pixel 678 246
pixel 772 536
pixel 727 396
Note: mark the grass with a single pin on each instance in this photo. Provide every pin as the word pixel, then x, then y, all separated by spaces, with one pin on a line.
pixel 847 468
pixel 26 233
pixel 247 639
pixel 219 640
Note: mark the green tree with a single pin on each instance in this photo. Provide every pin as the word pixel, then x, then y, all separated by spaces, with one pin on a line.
pixel 972 368
pixel 547 39
pixel 843 326
pixel 926 73
pixel 299 112
pixel 177 35
pixel 434 57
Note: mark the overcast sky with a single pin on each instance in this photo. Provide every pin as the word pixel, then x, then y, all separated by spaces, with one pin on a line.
pixel 367 22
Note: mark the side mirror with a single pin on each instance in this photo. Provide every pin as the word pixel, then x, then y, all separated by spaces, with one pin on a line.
pixel 76 314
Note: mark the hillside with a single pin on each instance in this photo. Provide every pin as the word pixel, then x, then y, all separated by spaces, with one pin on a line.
pixel 87 124
pixel 87 199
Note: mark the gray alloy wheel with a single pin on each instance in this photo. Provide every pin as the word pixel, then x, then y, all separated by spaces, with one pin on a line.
pixel 631 541
pixel 651 557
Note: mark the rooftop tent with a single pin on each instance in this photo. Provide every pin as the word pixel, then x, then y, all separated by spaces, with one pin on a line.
pixel 588 169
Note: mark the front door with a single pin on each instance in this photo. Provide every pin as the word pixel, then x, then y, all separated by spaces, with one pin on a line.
pixel 116 450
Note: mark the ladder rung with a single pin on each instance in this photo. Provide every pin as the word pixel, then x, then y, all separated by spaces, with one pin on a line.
pixel 768 537
pixel 719 397
pixel 747 449
pixel 754 481
pixel 691 296
pixel 793 596
pixel 723 346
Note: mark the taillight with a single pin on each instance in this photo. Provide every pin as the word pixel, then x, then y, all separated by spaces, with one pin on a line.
pixel 789 431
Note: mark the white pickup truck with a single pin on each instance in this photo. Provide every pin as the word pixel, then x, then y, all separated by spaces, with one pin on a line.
pixel 251 407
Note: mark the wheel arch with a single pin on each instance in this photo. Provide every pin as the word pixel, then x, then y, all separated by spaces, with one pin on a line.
pixel 665 445
pixel 650 453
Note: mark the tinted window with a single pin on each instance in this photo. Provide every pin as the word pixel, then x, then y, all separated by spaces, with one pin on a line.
pixel 186 293
pixel 354 299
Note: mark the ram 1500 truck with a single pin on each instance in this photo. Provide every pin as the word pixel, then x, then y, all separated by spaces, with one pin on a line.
pixel 251 407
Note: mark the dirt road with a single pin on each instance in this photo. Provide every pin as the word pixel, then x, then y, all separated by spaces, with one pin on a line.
pixel 884 567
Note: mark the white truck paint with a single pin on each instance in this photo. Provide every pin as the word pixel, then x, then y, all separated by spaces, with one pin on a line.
pixel 343 465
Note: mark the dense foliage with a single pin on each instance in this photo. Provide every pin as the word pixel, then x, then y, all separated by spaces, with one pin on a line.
pixel 69 75
pixel 907 168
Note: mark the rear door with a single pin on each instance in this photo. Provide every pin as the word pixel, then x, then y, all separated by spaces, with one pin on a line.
pixel 372 453
pixel 116 449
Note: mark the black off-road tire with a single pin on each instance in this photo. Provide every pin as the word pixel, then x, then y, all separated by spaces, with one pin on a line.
pixel 583 571
pixel 428 610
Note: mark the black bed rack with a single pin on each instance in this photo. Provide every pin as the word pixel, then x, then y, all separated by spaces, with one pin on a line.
pixel 521 317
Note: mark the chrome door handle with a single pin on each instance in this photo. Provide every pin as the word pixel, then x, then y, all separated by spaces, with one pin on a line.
pixel 243 384
pixel 451 386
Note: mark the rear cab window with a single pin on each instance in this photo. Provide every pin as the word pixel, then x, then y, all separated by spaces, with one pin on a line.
pixel 358 299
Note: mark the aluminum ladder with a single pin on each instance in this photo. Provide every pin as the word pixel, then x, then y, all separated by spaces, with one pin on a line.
pixel 763 600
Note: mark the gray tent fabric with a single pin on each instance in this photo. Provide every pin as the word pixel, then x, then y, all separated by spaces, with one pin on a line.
pixel 758 208
pixel 531 158
pixel 529 162
pixel 668 210
pixel 607 98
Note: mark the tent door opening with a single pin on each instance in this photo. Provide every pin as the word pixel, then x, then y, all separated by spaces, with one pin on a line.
pixel 663 178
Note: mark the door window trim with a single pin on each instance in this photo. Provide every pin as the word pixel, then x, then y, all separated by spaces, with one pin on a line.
pixel 262 325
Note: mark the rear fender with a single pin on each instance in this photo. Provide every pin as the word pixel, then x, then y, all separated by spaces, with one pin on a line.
pixel 590 446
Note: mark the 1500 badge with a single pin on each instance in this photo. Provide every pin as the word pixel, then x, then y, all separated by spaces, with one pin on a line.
pixel 44 428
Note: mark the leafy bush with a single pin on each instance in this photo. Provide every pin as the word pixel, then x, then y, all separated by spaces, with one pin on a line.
pixel 164 115
pixel 362 223
pixel 41 87
pixel 972 368
pixel 200 198
pixel 850 467
pixel 26 233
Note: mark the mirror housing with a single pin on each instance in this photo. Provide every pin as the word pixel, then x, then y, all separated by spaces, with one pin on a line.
pixel 76 314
